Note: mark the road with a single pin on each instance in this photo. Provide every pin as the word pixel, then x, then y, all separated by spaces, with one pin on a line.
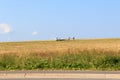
pixel 58 79
pixel 60 75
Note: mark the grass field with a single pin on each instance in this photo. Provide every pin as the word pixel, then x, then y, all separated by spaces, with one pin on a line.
pixel 87 54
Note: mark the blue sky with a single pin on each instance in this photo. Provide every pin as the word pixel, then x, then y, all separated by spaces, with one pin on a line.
pixel 47 19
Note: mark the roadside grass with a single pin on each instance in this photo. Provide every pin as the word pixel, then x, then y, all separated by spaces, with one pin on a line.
pixel 86 60
pixel 98 54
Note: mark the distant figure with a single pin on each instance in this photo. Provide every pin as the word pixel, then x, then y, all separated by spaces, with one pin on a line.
pixel 68 38
pixel 57 39
pixel 73 38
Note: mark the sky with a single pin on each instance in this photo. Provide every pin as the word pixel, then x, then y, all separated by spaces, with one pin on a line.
pixel 24 20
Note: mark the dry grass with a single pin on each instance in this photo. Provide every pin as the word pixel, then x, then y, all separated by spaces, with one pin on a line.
pixel 90 54
pixel 59 47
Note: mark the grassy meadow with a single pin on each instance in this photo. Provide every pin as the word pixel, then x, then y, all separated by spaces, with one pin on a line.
pixel 84 54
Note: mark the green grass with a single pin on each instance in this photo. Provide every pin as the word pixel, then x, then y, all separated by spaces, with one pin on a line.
pixel 96 54
pixel 83 61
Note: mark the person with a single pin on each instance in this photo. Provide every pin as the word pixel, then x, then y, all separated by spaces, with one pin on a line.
pixel 68 38
pixel 57 39
pixel 73 38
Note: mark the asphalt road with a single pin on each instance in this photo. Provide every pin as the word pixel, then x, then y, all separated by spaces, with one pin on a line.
pixel 57 75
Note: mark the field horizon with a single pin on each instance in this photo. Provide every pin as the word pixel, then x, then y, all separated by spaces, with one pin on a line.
pixel 80 54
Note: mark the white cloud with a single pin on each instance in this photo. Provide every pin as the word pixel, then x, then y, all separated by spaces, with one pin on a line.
pixel 34 33
pixel 5 28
